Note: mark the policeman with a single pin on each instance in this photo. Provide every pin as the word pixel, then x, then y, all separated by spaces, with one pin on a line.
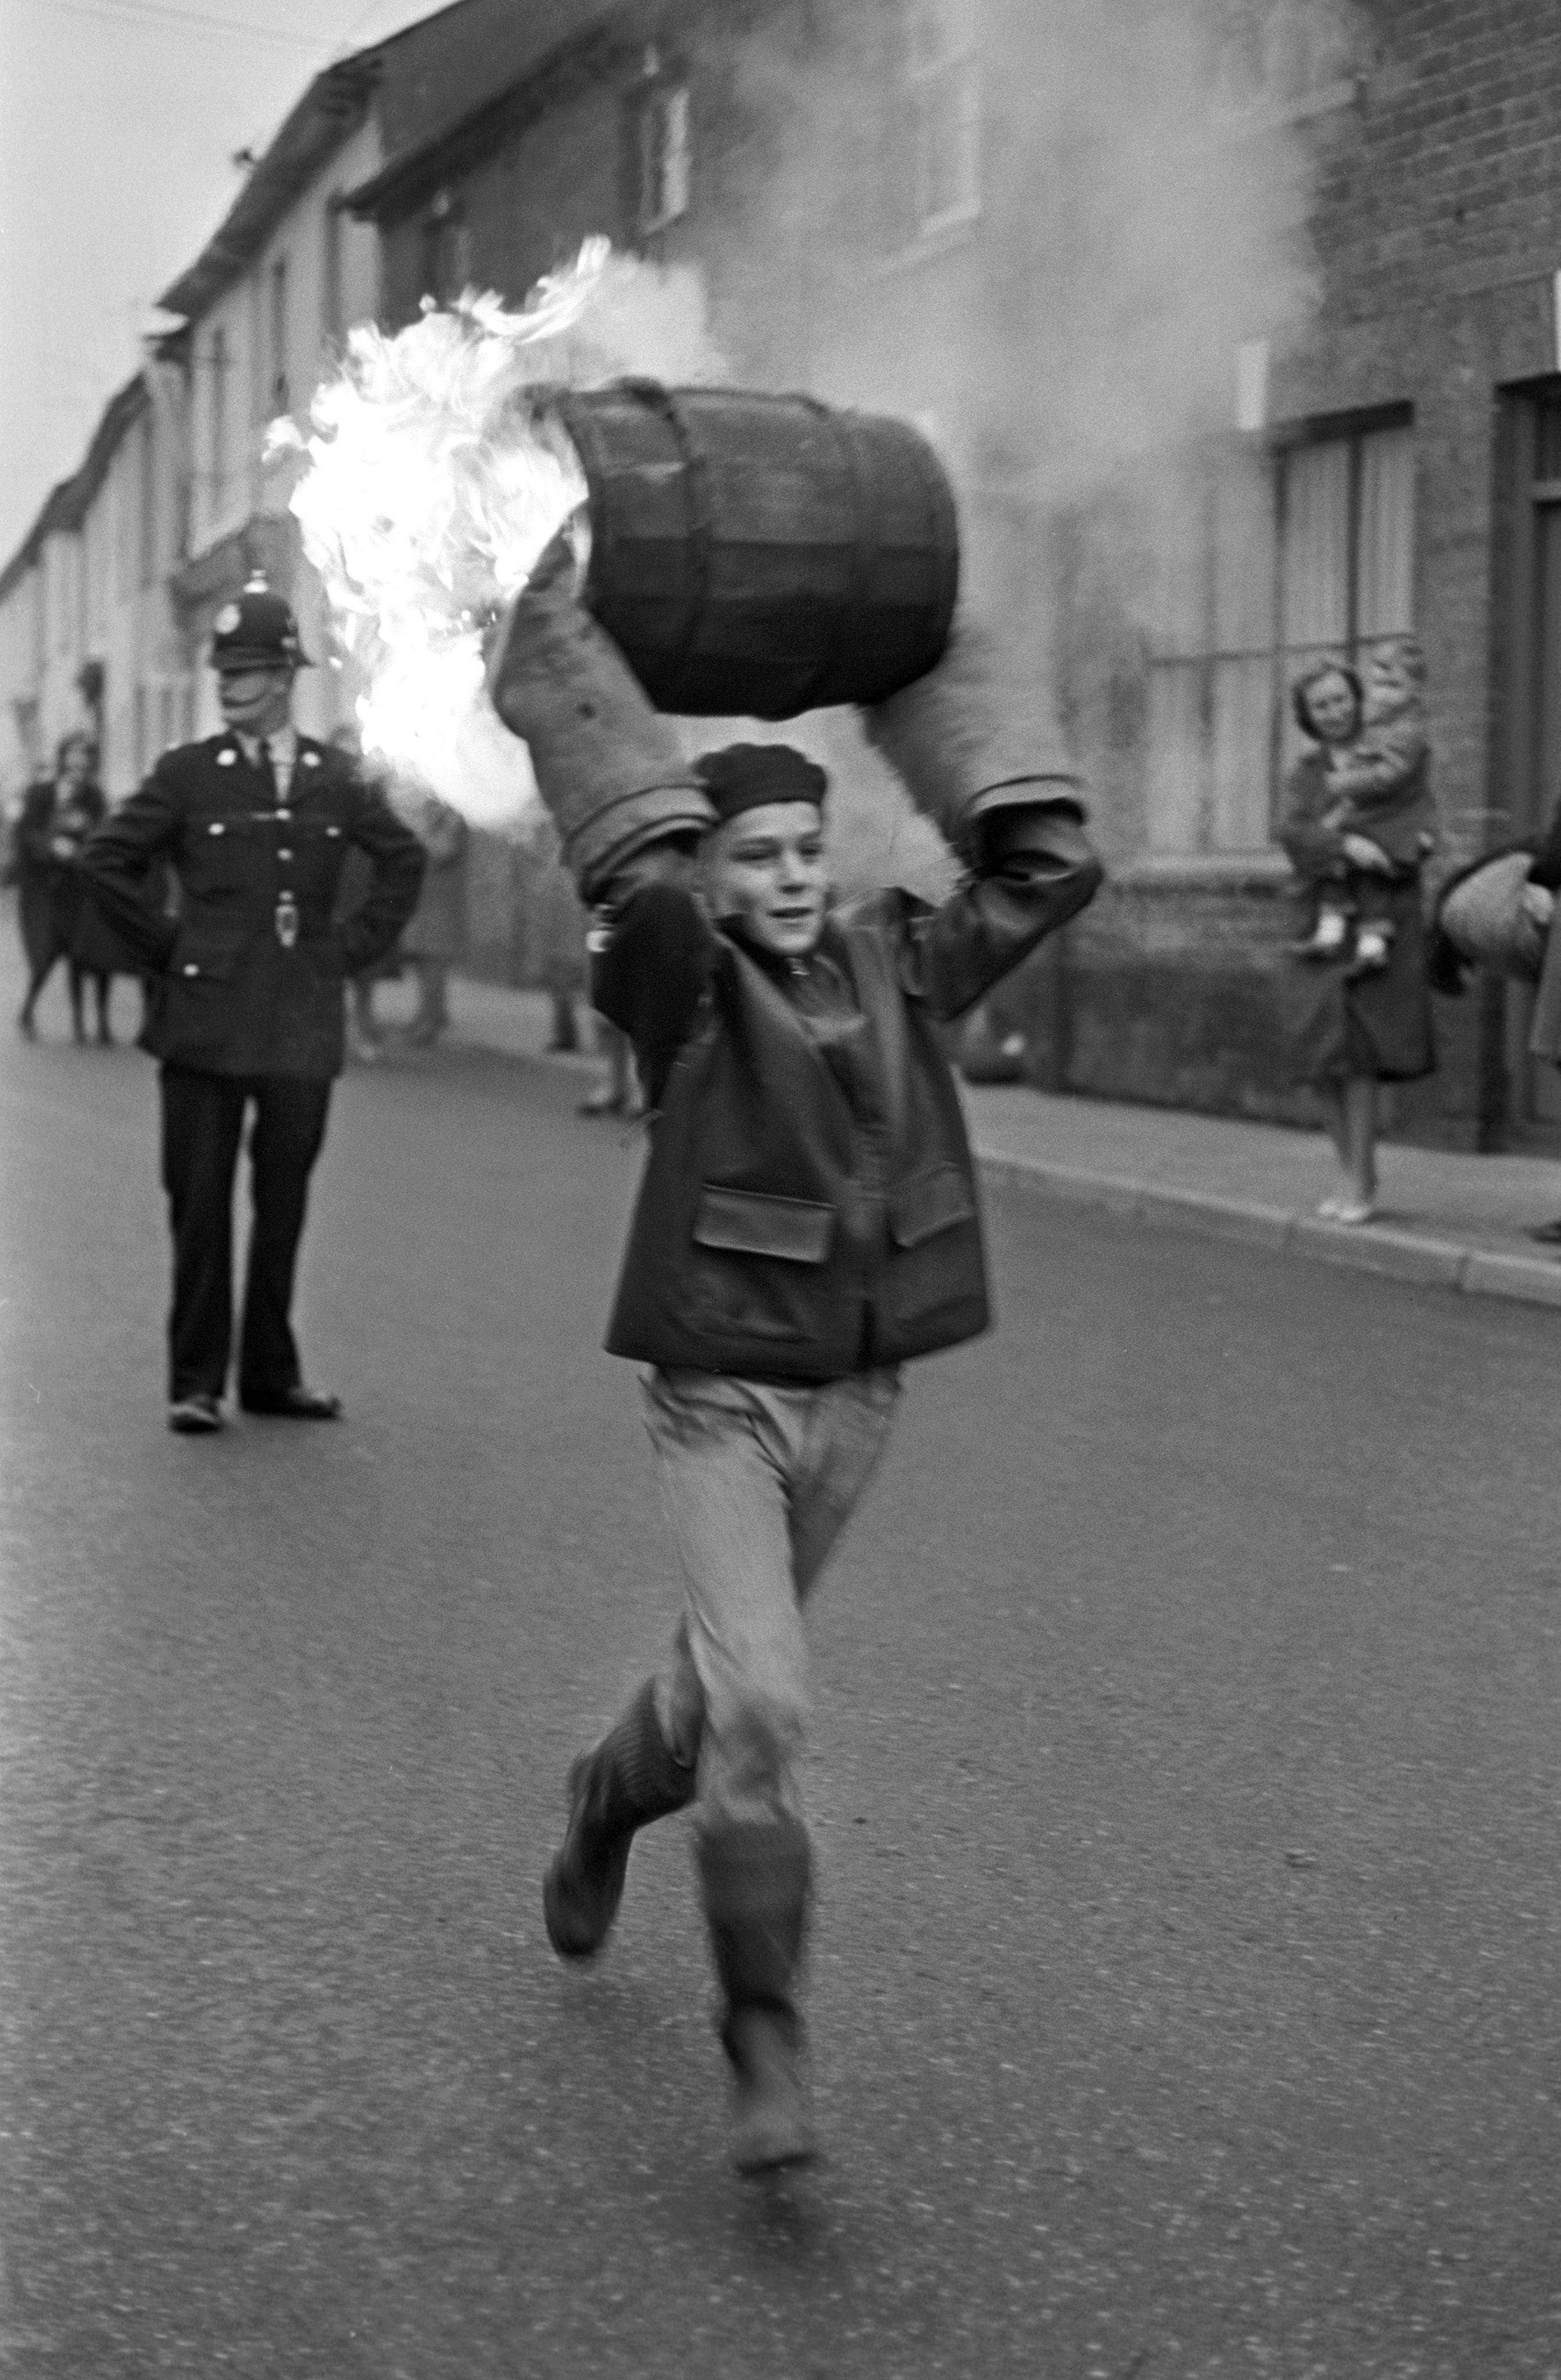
pixel 245 1008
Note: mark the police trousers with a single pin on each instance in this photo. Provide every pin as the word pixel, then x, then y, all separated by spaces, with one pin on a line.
pixel 203 1126
pixel 758 1481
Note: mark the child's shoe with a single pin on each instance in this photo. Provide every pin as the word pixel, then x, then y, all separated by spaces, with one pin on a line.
pixel 1373 947
pixel 1327 938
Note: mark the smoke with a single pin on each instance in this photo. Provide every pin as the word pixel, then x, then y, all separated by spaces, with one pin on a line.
pixel 1042 229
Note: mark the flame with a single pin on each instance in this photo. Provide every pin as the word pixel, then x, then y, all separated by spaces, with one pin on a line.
pixel 430 488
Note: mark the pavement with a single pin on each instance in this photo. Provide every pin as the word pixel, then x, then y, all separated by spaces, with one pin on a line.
pixel 1448 1219
pixel 1182 1769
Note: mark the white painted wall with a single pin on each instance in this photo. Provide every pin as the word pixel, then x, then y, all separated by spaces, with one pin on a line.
pixel 20 648
pixel 236 364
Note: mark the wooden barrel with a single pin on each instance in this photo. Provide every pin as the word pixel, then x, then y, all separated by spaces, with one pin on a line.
pixel 761 554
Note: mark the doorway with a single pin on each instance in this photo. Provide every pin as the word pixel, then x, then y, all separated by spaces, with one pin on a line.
pixel 1534 707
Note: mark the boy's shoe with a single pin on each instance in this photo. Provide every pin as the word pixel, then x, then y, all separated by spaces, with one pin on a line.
pixel 772 2119
pixel 615 1789
pixel 755 1882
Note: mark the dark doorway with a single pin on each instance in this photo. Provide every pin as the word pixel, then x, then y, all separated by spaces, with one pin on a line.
pixel 1533 738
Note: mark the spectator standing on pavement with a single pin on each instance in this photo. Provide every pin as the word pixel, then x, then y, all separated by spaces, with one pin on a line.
pixel 1351 1029
pixel 57 815
pixel 365 1042
pixel 435 939
pixel 246 1009
pixel 559 923
pixel 807 1221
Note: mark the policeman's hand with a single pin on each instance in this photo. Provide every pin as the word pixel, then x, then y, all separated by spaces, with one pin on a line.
pixel 1361 852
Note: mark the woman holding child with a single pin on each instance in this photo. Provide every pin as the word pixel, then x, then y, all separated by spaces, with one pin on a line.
pixel 1356 827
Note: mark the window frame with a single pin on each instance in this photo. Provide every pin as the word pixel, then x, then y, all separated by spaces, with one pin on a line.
pixel 958 62
pixel 1276 448
pixel 668 160
pixel 278 384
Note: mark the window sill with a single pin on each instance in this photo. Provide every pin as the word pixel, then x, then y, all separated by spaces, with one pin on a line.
pixel 928 247
pixel 1267 115
pixel 1153 871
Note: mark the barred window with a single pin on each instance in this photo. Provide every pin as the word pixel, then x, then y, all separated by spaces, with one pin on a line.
pixel 1266 564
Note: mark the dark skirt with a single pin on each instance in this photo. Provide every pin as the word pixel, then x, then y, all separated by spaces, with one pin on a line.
pixel 1379 1025
pixel 60 920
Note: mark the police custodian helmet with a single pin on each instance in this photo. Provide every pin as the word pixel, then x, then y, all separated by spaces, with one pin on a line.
pixel 257 632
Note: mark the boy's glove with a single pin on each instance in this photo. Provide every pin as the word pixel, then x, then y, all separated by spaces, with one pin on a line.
pixel 606 764
pixel 967 743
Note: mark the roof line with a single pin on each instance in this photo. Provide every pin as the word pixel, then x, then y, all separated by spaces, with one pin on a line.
pixel 399 186
pixel 64 506
pixel 25 554
pixel 329 112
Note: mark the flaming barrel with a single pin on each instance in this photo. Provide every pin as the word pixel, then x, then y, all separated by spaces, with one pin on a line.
pixel 760 555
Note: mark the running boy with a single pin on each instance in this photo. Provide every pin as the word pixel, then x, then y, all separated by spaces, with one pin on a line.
pixel 807 1221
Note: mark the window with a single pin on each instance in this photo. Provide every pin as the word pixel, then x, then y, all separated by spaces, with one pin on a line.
pixel 662 157
pixel 217 368
pixel 332 233
pixel 146 478
pixel 446 250
pixel 1266 565
pixel 1279 54
pixel 944 88
pixel 278 326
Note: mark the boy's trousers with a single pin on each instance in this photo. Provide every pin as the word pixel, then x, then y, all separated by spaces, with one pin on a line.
pixel 758 1480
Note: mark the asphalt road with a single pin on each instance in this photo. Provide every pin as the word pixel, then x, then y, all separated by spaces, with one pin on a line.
pixel 1184 1996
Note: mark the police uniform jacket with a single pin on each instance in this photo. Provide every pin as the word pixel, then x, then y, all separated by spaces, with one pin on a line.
pixel 809 1203
pixel 247 978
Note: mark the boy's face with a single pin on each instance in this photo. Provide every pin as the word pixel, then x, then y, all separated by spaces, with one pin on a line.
pixel 766 870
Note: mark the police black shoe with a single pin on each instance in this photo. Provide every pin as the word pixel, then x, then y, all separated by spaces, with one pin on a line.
pixel 197 1415
pixel 295 1405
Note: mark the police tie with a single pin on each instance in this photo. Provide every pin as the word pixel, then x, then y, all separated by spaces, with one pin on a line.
pixel 262 761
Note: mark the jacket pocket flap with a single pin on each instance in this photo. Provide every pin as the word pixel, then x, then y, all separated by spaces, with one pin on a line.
pixel 204 958
pixel 927 1203
pixel 752 1223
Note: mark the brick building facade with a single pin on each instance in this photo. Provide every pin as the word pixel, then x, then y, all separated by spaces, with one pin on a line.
pixel 1391 472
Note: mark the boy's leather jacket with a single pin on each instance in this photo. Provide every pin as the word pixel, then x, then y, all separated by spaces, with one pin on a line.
pixel 809 1205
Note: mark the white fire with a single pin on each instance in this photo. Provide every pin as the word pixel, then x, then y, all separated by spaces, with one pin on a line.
pixel 430 488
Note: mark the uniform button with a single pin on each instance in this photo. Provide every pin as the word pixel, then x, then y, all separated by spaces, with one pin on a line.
pixel 284 814
pixel 284 855
pixel 191 969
